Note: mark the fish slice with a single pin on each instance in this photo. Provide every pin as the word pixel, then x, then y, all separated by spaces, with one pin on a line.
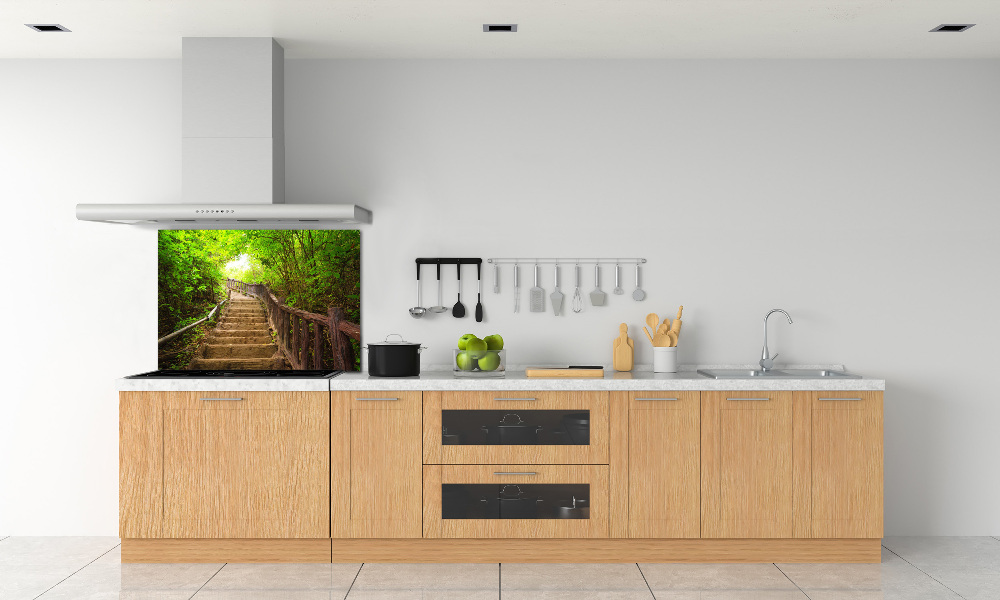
pixel 536 296
pixel 557 296
pixel 597 297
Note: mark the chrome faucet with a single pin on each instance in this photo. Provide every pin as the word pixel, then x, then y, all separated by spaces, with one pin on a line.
pixel 766 360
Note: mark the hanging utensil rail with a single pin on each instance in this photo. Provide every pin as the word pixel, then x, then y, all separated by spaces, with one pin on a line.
pixel 566 261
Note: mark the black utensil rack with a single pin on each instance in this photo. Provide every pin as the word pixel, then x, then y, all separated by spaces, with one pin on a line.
pixel 449 261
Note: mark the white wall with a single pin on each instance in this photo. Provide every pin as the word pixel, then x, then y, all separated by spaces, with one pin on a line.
pixel 860 196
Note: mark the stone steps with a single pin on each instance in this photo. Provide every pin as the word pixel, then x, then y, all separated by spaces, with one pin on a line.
pixel 237 364
pixel 240 350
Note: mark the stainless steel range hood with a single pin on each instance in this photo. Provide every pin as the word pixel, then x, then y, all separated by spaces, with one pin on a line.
pixel 233 145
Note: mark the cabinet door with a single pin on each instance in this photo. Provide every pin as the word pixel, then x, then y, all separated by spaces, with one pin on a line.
pixel 140 469
pixel 847 464
pixel 746 482
pixel 246 465
pixel 376 465
pixel 663 457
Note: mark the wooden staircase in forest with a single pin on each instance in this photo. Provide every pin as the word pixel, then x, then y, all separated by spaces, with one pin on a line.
pixel 242 340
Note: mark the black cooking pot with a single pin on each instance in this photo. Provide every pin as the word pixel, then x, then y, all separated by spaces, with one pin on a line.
pixel 394 359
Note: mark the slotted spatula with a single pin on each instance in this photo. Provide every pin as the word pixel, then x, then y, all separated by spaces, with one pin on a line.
pixel 557 296
pixel 536 296
pixel 597 297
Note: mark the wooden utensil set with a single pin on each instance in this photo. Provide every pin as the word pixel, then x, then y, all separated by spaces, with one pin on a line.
pixel 665 337
pixel 666 332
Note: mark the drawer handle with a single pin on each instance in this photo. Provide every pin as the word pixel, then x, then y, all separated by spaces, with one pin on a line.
pixel 515 399
pixel 840 399
pixel 224 399
pixel 656 399
pixel 743 399
pixel 514 473
pixel 376 399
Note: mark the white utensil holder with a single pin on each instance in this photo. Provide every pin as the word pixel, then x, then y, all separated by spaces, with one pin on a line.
pixel 664 359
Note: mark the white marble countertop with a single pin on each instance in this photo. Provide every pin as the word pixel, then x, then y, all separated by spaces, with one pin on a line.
pixel 641 379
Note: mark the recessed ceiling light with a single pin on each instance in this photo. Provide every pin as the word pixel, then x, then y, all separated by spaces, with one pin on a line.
pixel 48 27
pixel 952 27
pixel 495 27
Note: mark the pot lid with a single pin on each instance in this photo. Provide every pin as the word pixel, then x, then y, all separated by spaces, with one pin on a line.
pixel 399 342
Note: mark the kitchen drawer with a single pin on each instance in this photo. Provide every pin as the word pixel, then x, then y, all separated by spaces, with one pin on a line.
pixel 515 427
pixel 237 400
pixel 515 501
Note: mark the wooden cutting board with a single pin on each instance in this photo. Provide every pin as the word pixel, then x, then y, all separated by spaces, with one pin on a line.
pixel 564 372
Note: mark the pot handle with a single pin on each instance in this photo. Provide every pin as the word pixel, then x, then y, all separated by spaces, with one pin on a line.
pixel 393 334
pixel 421 349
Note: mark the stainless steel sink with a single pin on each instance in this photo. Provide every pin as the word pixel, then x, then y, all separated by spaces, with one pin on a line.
pixel 777 374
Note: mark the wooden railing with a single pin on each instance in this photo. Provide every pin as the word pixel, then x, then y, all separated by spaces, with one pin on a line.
pixel 301 333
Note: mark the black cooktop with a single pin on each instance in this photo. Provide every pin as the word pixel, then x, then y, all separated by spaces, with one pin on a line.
pixel 287 374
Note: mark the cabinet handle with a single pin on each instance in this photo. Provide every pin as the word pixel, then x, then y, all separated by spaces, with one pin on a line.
pixel 377 399
pixel 741 399
pixel 225 399
pixel 840 399
pixel 514 473
pixel 515 399
pixel 656 399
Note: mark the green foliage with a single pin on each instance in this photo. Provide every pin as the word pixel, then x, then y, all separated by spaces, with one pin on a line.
pixel 308 269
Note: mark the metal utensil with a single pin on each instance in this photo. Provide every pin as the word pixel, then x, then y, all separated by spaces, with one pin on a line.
pixel 440 308
pixel 638 295
pixel 517 287
pixel 557 296
pixel 458 311
pixel 496 279
pixel 418 311
pixel 577 296
pixel 618 288
pixel 536 295
pixel 479 298
pixel 597 297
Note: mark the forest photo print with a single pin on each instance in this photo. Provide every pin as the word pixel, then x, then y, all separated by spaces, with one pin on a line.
pixel 239 300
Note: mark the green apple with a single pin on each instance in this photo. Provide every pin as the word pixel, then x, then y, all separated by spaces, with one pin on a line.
pixel 465 361
pixel 476 347
pixel 462 341
pixel 490 362
pixel 494 342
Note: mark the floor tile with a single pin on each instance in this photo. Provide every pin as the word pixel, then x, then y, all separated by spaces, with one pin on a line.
pixel 840 577
pixel 582 581
pixel 426 582
pixel 335 577
pixel 971 584
pixel 748 595
pixel 270 594
pixel 665 577
pixel 24 582
pixel 957 552
pixel 63 551
pixel 137 577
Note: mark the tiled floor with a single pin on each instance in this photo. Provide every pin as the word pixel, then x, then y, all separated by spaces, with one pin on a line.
pixel 914 568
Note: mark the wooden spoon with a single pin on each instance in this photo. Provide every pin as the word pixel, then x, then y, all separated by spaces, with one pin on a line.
pixel 653 321
pixel 673 338
pixel 661 338
pixel 649 336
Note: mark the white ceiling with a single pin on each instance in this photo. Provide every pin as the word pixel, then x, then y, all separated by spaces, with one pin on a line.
pixel 546 28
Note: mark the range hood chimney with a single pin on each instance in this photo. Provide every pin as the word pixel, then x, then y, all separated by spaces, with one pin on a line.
pixel 233 145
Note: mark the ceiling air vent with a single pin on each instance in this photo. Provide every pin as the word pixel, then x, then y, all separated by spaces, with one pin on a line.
pixel 952 27
pixel 491 28
pixel 44 28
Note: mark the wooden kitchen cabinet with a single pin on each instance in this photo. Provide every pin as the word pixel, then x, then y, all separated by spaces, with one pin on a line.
pixel 746 465
pixel 842 493
pixel 664 447
pixel 375 482
pixel 224 465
